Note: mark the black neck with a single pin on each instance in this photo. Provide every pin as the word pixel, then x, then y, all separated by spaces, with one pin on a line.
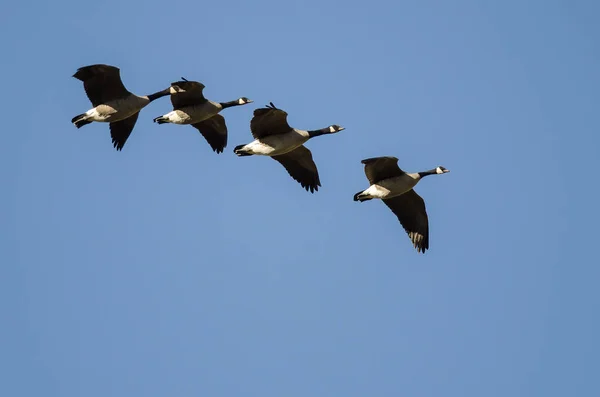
pixel 322 131
pixel 229 104
pixel 425 173
pixel 158 94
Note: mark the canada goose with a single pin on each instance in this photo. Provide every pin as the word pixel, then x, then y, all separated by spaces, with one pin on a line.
pixel 274 137
pixel 191 107
pixel 112 102
pixel 395 187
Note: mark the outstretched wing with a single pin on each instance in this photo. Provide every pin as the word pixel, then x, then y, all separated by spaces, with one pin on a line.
pixel 192 94
pixel 269 121
pixel 120 130
pixel 300 165
pixel 101 83
pixel 214 130
pixel 379 168
pixel 410 210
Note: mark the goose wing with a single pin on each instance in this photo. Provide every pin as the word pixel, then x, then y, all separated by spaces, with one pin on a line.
pixel 269 121
pixel 410 210
pixel 102 83
pixel 214 130
pixel 379 168
pixel 120 130
pixel 301 167
pixel 192 94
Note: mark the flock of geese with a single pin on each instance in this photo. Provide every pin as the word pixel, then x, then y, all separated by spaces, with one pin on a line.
pixel 273 137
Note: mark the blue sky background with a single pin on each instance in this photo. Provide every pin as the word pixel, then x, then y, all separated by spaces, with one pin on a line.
pixel 168 270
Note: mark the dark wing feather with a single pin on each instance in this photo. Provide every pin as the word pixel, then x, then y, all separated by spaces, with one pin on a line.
pixel 102 83
pixel 300 165
pixel 193 94
pixel 214 130
pixel 379 168
pixel 411 212
pixel 269 121
pixel 120 130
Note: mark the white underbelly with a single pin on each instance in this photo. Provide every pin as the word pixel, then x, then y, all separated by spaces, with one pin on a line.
pixel 378 192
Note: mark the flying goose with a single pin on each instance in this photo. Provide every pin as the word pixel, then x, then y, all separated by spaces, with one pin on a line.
pixel 191 107
pixel 274 137
pixel 395 187
pixel 112 102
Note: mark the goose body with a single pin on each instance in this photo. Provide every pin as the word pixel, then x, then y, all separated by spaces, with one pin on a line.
pixel 190 107
pixel 274 145
pixel 191 114
pixel 117 109
pixel 394 187
pixel 112 102
pixel 273 137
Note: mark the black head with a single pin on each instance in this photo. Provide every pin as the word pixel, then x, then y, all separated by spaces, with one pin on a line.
pixel 335 128
pixel 243 100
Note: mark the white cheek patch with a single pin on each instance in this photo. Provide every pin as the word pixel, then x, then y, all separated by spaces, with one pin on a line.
pixel 439 170
pixel 331 129
pixel 241 101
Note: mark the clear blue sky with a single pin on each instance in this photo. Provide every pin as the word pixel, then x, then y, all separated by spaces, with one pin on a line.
pixel 168 270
